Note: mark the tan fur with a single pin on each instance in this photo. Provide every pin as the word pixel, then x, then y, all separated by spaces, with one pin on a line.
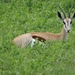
pixel 49 36
pixel 63 34
pixel 23 40
pixel 67 19
pixel 45 36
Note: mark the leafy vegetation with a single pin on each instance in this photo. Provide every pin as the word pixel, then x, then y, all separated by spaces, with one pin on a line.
pixel 22 16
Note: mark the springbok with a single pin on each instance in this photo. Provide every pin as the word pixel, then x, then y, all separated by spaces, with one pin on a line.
pixel 29 38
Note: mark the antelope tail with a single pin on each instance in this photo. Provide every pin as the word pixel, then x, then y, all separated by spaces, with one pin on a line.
pixel 23 40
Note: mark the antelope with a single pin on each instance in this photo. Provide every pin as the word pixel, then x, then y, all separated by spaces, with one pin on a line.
pixel 29 38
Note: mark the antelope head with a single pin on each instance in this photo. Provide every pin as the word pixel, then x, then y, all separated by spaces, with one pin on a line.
pixel 67 21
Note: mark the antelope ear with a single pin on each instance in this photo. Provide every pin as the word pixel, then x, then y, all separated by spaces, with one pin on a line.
pixel 73 16
pixel 59 15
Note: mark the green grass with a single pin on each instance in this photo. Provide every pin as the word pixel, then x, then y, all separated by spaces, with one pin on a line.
pixel 22 16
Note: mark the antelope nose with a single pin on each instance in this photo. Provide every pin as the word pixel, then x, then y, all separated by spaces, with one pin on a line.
pixel 68 31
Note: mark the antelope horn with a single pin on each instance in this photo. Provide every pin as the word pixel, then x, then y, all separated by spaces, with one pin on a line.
pixel 62 11
pixel 70 11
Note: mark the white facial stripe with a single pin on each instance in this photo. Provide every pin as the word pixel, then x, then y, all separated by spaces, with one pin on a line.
pixel 67 25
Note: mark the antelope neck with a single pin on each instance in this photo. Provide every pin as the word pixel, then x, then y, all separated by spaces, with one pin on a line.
pixel 63 34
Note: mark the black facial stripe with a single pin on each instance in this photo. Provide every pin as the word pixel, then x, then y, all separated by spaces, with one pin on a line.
pixel 71 22
pixel 65 26
pixel 63 22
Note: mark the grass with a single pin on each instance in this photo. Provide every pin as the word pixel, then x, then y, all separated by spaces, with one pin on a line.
pixel 22 16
